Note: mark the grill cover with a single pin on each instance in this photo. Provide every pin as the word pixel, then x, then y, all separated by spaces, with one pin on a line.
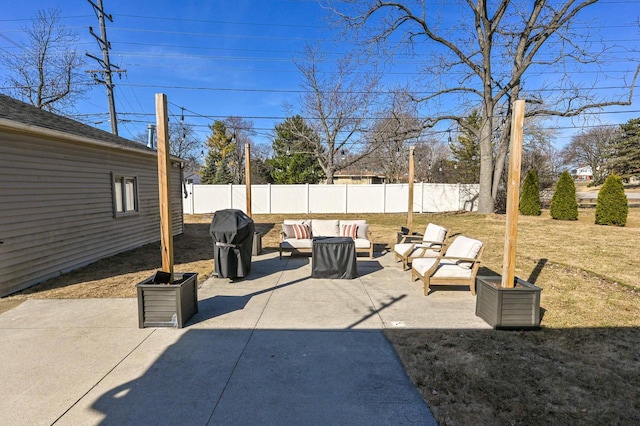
pixel 232 233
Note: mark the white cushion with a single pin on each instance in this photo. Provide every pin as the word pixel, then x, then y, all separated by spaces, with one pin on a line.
pixel 403 248
pixel 464 247
pixel 434 233
pixel 325 228
pixel 362 243
pixel 422 264
pixel 445 268
pixel 295 243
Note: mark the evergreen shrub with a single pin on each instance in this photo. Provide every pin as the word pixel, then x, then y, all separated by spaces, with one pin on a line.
pixel 530 197
pixel 564 205
pixel 612 207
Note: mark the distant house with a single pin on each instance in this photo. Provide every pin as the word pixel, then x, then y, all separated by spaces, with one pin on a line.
pixel 582 173
pixel 72 194
pixel 357 177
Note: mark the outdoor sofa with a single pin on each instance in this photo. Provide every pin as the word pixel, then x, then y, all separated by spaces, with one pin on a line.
pixel 297 235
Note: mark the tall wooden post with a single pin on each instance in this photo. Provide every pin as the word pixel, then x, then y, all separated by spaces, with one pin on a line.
pixel 247 174
pixel 164 183
pixel 411 179
pixel 513 195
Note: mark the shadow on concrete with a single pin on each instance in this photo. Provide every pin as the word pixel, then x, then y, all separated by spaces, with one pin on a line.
pixel 242 377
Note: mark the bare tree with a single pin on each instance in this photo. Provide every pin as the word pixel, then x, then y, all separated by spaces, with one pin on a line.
pixel 241 130
pixel 389 141
pixel 592 148
pixel 337 106
pixel 46 72
pixel 482 60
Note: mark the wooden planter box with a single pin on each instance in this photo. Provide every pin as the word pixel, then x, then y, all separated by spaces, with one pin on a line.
pixel 508 308
pixel 167 305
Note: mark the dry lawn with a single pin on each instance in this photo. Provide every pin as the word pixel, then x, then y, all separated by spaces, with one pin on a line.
pixel 582 367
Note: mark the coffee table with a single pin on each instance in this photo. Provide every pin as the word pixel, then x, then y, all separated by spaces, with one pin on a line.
pixel 333 257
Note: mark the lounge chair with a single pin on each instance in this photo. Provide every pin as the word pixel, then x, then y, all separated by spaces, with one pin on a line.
pixel 428 245
pixel 458 265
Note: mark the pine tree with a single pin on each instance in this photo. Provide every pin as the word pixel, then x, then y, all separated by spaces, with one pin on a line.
pixel 530 197
pixel 612 207
pixel 466 150
pixel 563 203
pixel 221 147
pixel 625 153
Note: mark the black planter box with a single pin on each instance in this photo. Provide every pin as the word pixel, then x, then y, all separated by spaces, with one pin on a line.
pixel 508 308
pixel 167 305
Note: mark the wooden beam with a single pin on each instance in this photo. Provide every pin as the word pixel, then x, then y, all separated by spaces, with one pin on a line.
pixel 247 174
pixel 513 196
pixel 411 179
pixel 164 183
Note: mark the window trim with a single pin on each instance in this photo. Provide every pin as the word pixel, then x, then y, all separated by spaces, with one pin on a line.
pixel 122 196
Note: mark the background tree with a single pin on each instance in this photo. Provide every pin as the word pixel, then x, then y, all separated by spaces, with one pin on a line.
pixel 489 47
pixel 530 197
pixel 240 130
pixel 183 142
pixel 625 151
pixel 612 207
pixel 46 71
pixel 465 149
pixel 221 149
pixel 389 141
pixel 294 153
pixel 592 148
pixel 337 106
pixel 563 203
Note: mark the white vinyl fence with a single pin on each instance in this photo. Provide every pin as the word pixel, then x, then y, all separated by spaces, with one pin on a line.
pixel 307 199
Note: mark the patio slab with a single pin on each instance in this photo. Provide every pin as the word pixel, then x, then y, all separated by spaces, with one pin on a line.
pixel 277 347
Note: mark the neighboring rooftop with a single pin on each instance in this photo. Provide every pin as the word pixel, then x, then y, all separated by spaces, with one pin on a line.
pixel 18 111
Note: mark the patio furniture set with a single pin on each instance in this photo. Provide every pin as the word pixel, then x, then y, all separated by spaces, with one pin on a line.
pixel 436 258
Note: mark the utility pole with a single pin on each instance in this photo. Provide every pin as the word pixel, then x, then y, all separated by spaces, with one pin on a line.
pixel 107 68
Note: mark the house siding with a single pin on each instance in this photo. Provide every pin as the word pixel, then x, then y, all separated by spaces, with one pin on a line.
pixel 56 206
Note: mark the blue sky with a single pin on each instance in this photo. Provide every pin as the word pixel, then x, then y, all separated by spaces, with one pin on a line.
pixel 222 58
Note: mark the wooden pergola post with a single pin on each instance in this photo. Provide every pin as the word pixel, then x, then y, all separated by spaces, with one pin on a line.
pixel 411 179
pixel 247 174
pixel 513 195
pixel 164 183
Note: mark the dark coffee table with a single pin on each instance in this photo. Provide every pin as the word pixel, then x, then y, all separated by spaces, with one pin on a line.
pixel 334 257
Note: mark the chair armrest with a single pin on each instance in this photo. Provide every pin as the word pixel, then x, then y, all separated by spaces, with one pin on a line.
pixel 411 239
pixel 461 259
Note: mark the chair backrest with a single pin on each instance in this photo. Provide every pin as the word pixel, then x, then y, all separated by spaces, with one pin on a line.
pixel 434 233
pixel 464 247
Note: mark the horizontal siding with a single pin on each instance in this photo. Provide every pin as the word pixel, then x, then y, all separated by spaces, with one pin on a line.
pixel 56 211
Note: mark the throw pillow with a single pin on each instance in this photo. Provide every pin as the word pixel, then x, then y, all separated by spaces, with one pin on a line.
pixel 301 232
pixel 363 231
pixel 288 231
pixel 349 231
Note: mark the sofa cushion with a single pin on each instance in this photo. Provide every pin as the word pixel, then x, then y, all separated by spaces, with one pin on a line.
pixel 293 243
pixel 325 228
pixel 464 247
pixel 362 243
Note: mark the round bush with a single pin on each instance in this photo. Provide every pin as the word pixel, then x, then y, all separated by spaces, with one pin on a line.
pixel 612 207
pixel 530 197
pixel 563 203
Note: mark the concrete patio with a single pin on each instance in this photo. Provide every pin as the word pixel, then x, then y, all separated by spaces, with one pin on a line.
pixel 275 348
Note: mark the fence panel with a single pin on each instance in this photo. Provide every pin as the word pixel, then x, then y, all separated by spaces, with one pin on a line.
pixel 303 199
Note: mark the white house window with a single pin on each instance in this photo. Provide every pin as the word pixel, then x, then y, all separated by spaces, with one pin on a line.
pixel 125 195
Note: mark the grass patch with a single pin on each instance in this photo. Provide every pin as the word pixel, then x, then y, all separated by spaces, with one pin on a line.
pixel 582 367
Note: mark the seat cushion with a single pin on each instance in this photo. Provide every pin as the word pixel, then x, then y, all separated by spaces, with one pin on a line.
pixel 464 247
pixel 422 264
pixel 411 250
pixel 362 243
pixel 294 243
pixel 448 269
